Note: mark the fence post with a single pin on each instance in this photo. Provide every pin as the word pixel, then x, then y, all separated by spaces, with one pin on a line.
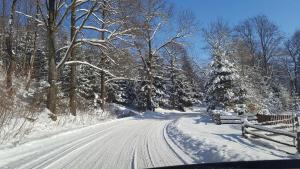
pixel 298 141
pixel 217 118
pixel 243 127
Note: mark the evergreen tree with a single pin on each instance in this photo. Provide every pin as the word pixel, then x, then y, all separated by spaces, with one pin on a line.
pixel 223 90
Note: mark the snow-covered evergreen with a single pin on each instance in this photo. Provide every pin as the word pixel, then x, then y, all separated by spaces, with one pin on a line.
pixel 223 89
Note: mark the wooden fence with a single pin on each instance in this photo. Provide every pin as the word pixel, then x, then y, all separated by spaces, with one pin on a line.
pixel 231 119
pixel 266 126
pixel 268 120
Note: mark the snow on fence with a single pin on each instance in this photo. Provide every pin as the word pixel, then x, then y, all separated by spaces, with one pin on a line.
pixel 270 120
pixel 231 119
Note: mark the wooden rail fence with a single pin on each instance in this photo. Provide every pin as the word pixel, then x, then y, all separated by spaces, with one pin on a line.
pixel 265 120
pixel 231 119
pixel 266 126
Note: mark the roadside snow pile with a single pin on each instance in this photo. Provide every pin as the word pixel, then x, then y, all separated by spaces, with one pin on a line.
pixel 222 112
pixel 121 111
pixel 205 142
pixel 23 129
pixel 193 110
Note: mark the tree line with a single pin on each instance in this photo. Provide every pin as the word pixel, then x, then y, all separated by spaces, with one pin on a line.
pixel 131 52
pixel 254 66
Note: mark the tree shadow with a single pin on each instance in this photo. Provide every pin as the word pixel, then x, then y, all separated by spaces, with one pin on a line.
pixel 203 119
pixel 253 144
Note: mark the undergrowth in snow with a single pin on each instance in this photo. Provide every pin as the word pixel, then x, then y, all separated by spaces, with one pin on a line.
pixel 22 129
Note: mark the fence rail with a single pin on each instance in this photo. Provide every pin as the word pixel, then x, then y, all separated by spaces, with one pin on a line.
pixel 246 130
pixel 261 118
pixel 231 119
pixel 266 126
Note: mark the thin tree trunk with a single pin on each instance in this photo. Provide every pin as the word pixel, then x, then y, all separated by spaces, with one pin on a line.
pixel 73 79
pixel 103 92
pixel 9 50
pixel 30 72
pixel 52 72
pixel 173 81
pixel 102 37
pixel 295 80
pixel 150 79
pixel 265 64
pixel 3 29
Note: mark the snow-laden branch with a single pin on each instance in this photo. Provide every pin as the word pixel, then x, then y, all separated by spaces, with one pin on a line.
pixel 81 16
pixel 95 29
pixel 93 14
pixel 73 41
pixel 94 42
pixel 153 35
pixel 124 78
pixel 116 33
pixel 42 14
pixel 64 15
pixel 66 47
pixel 80 2
pixel 31 17
pixel 172 40
pixel 60 5
pixel 91 65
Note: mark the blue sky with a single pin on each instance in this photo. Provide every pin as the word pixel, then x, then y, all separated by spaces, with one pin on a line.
pixel 284 13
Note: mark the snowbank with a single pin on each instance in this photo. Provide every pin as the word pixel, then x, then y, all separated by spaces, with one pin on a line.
pixel 21 130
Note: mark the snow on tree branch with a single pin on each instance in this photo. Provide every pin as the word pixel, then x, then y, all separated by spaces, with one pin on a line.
pixel 91 65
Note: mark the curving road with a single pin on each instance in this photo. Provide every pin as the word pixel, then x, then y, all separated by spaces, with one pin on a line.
pixel 127 143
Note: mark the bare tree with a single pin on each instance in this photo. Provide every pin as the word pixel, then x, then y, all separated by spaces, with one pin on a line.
pixel 219 39
pixel 292 46
pixel 3 16
pixel 110 24
pixel 72 93
pixel 245 37
pixel 33 56
pixel 52 21
pixel 269 39
pixel 9 46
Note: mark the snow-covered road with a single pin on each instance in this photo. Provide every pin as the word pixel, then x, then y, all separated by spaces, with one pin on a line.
pixel 138 142
pixel 151 140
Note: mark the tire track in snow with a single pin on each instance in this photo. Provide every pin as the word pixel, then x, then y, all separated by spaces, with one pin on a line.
pixel 65 151
pixel 132 143
pixel 149 154
pixel 134 157
pixel 56 151
pixel 174 147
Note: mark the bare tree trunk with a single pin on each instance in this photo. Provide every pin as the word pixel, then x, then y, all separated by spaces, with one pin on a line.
pixel 9 50
pixel 150 78
pixel 295 79
pixel 102 37
pixel 103 92
pixel 73 78
pixel 3 30
pixel 173 81
pixel 29 77
pixel 265 65
pixel 52 72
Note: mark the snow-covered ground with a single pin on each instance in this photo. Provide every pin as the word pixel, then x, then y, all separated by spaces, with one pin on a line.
pixel 204 141
pixel 153 139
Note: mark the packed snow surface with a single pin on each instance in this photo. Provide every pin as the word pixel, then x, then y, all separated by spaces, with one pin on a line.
pixel 154 139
